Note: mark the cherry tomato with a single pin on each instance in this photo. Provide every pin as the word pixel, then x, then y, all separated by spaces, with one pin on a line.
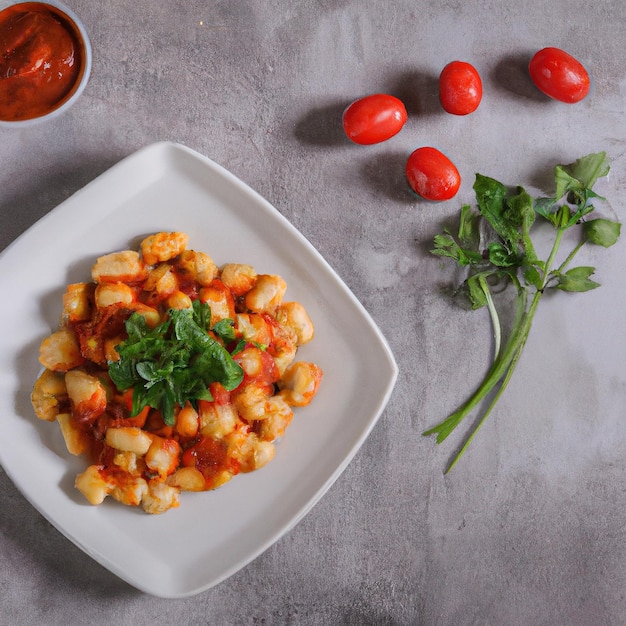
pixel 374 118
pixel 559 75
pixel 432 175
pixel 460 88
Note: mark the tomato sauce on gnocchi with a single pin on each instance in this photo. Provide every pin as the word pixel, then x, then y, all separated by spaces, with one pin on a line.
pixel 143 459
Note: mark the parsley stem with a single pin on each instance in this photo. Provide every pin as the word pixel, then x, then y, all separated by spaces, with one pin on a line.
pixel 494 375
pixel 495 319
pixel 571 255
pixel 553 253
pixel 520 343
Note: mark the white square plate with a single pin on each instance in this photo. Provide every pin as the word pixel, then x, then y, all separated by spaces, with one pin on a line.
pixel 213 534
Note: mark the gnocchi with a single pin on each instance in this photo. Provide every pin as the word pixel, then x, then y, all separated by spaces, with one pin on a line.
pixel 134 453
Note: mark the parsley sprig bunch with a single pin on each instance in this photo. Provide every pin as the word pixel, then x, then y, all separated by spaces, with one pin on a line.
pixel 176 361
pixel 493 243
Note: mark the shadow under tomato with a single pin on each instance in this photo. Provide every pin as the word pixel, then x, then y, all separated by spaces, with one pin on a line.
pixel 511 74
pixel 384 173
pixel 322 126
pixel 418 90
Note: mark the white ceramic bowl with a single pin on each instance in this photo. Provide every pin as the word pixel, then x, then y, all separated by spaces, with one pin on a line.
pixel 83 79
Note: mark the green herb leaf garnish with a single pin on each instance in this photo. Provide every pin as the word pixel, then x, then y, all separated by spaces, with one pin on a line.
pixel 175 362
pixel 494 244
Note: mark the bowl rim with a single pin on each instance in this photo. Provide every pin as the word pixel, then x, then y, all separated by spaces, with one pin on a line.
pixel 88 60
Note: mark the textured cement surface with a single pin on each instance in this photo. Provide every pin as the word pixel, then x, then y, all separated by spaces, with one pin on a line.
pixel 530 529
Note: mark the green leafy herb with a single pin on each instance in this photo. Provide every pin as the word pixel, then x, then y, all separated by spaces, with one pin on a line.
pixel 175 362
pixel 494 244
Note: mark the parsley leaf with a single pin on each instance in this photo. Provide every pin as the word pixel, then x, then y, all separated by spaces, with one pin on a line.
pixel 175 362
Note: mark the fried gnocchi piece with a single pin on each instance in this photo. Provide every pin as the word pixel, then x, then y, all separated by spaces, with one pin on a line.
pixel 48 394
pixel 293 317
pixel 250 402
pixel 187 422
pixel 76 440
pixel 279 416
pixel 60 351
pixel 219 479
pixel 239 278
pixel 267 293
pixel 217 420
pixel 300 383
pixel 160 497
pixel 254 328
pixel 113 293
pixel 128 489
pixel 119 267
pixel 77 301
pixel 150 314
pixel 283 349
pixel 161 282
pixel 87 395
pixel 258 364
pixel 162 456
pixel 129 439
pixel 109 348
pixel 197 266
pixel 129 462
pixel 220 300
pixel 93 484
pixel 162 247
pixel 250 452
pixel 178 300
pixel 187 479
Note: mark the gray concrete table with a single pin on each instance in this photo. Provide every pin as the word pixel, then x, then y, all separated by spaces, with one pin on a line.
pixel 530 528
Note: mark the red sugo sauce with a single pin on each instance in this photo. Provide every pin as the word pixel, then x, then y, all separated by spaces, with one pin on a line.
pixel 42 60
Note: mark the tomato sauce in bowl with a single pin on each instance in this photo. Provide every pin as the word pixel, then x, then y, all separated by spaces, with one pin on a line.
pixel 45 60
